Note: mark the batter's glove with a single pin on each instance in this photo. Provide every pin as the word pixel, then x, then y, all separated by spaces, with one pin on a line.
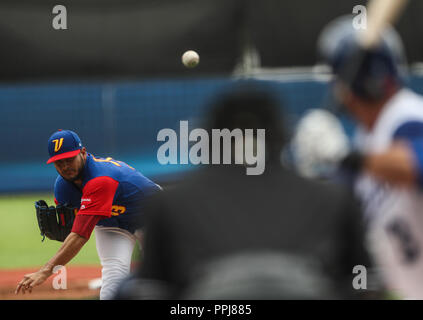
pixel 353 162
pixel 55 223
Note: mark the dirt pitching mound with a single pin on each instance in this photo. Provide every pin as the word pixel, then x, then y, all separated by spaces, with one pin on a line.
pixel 78 278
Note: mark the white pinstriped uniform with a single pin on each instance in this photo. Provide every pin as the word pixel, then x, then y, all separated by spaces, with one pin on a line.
pixel 395 215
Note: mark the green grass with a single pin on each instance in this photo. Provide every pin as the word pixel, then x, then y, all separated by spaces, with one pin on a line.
pixel 20 240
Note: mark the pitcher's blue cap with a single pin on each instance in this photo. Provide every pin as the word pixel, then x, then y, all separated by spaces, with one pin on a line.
pixel 63 144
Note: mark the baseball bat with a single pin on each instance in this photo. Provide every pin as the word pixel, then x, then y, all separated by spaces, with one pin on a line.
pixel 380 13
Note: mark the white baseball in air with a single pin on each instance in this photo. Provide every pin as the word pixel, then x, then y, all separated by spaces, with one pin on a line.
pixel 190 59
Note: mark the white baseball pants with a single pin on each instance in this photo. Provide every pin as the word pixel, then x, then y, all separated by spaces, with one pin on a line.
pixel 114 248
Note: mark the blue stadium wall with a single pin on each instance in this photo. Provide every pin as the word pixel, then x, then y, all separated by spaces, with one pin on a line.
pixel 118 119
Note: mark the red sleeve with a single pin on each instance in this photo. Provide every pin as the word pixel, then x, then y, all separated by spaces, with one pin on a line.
pixel 84 224
pixel 97 196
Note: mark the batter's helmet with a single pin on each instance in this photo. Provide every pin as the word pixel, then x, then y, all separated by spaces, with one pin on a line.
pixel 368 73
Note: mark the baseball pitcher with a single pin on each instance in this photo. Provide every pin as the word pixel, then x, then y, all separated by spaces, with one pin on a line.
pixel 91 193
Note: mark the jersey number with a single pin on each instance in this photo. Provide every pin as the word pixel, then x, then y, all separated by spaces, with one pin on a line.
pixel 110 160
pixel 401 231
pixel 117 210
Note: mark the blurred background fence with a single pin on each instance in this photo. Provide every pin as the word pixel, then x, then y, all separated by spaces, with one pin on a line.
pixel 121 120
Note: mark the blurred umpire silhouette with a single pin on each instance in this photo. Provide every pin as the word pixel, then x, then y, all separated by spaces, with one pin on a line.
pixel 222 234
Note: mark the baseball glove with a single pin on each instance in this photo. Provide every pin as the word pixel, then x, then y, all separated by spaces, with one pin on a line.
pixel 55 223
